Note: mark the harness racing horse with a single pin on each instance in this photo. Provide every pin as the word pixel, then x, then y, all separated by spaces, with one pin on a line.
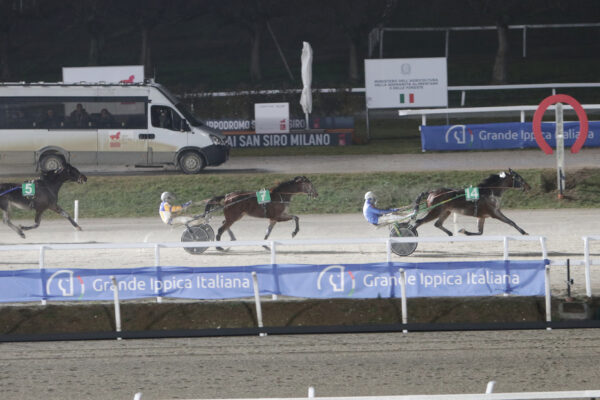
pixel 237 204
pixel 442 202
pixel 46 196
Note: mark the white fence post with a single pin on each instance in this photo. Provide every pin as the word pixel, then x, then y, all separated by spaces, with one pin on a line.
pixel 548 295
pixel 311 392
pixel 117 305
pixel 41 266
pixel 157 264
pixel 586 258
pixel 76 211
pixel 259 317
pixel 403 301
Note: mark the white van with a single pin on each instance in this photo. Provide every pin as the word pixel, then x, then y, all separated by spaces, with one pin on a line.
pixel 141 125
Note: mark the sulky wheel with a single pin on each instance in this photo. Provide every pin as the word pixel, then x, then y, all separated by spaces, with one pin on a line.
pixel 403 230
pixel 198 233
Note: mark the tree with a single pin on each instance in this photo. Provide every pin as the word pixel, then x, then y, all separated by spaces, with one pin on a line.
pixel 357 18
pixel 11 14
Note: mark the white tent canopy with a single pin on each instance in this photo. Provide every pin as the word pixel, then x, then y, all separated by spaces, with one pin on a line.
pixel 306 97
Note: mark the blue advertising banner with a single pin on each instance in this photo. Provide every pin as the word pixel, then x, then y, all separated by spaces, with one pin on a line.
pixel 441 279
pixel 515 135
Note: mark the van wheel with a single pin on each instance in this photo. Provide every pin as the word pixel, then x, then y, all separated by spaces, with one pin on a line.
pixel 191 162
pixel 50 162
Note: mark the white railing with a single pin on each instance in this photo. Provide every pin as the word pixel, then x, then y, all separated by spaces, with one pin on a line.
pixel 459 88
pixel 478 110
pixel 274 244
pixel 488 395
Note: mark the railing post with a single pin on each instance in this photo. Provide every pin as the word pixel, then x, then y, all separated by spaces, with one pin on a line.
pixel 76 211
pixel 117 305
pixel 41 266
pixel 311 392
pixel 588 274
pixel 548 295
pixel 273 252
pixel 388 249
pixel 505 245
pixel 157 264
pixel 403 300
pixel 259 318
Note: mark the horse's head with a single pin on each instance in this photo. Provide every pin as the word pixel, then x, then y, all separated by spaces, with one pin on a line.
pixel 69 173
pixel 304 185
pixel 517 180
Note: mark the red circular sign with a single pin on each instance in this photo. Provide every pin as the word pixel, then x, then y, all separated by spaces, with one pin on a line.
pixel 539 113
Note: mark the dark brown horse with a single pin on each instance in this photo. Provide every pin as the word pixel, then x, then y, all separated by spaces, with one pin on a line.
pixel 442 202
pixel 46 196
pixel 237 204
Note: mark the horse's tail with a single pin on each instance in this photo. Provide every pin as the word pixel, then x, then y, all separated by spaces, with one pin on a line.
pixel 418 200
pixel 213 203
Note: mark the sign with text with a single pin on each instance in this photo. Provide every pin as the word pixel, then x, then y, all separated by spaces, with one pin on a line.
pixel 513 135
pixel 406 82
pixel 435 279
pixel 111 74
pixel 290 139
pixel 272 117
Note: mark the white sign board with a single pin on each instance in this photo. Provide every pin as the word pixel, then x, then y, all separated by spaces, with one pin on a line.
pixel 117 74
pixel 272 117
pixel 406 82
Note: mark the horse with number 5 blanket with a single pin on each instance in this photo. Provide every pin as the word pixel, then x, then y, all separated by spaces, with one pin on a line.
pixel 45 197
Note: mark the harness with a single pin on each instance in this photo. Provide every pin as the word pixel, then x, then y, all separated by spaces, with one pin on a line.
pixel 10 190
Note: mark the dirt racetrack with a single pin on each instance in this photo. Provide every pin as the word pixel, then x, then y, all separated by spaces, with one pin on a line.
pixel 562 228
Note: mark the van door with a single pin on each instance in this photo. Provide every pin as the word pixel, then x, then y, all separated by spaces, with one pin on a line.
pixel 170 134
pixel 123 133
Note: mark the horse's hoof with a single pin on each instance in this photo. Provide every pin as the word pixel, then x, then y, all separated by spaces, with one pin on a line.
pixel 78 228
pixel 294 234
pixel 22 235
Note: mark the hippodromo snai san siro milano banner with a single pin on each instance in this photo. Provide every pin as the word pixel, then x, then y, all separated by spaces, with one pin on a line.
pixel 436 279
pixel 515 135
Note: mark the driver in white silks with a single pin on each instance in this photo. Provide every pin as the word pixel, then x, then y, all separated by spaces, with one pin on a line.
pixel 377 216
pixel 169 211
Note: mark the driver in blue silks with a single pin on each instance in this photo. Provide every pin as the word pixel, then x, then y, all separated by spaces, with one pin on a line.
pixel 376 215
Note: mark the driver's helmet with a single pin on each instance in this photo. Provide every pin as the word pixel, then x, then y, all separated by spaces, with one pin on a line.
pixel 167 196
pixel 370 197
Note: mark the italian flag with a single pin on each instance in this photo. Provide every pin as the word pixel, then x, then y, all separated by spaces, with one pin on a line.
pixel 411 98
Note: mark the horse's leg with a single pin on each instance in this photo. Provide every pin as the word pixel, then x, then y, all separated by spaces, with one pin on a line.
pixel 440 222
pixel 499 216
pixel 430 216
pixel 269 229
pixel 231 235
pixel 37 220
pixel 297 221
pixel 224 227
pixel 6 220
pixel 480 222
pixel 57 209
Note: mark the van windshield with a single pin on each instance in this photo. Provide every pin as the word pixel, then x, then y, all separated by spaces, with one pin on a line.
pixel 191 119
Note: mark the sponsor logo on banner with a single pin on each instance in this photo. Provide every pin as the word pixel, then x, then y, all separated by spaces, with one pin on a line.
pixel 64 283
pixel 335 277
pixel 459 134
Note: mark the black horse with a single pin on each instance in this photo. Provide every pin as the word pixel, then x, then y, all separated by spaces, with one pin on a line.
pixel 442 202
pixel 46 196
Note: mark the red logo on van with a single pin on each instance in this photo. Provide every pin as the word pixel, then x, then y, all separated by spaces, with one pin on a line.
pixel 282 125
pixel 114 139
pixel 128 80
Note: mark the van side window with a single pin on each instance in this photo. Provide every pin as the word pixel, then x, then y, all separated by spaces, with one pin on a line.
pixel 165 117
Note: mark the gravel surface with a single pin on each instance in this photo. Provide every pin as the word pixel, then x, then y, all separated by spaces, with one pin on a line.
pixel 285 366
